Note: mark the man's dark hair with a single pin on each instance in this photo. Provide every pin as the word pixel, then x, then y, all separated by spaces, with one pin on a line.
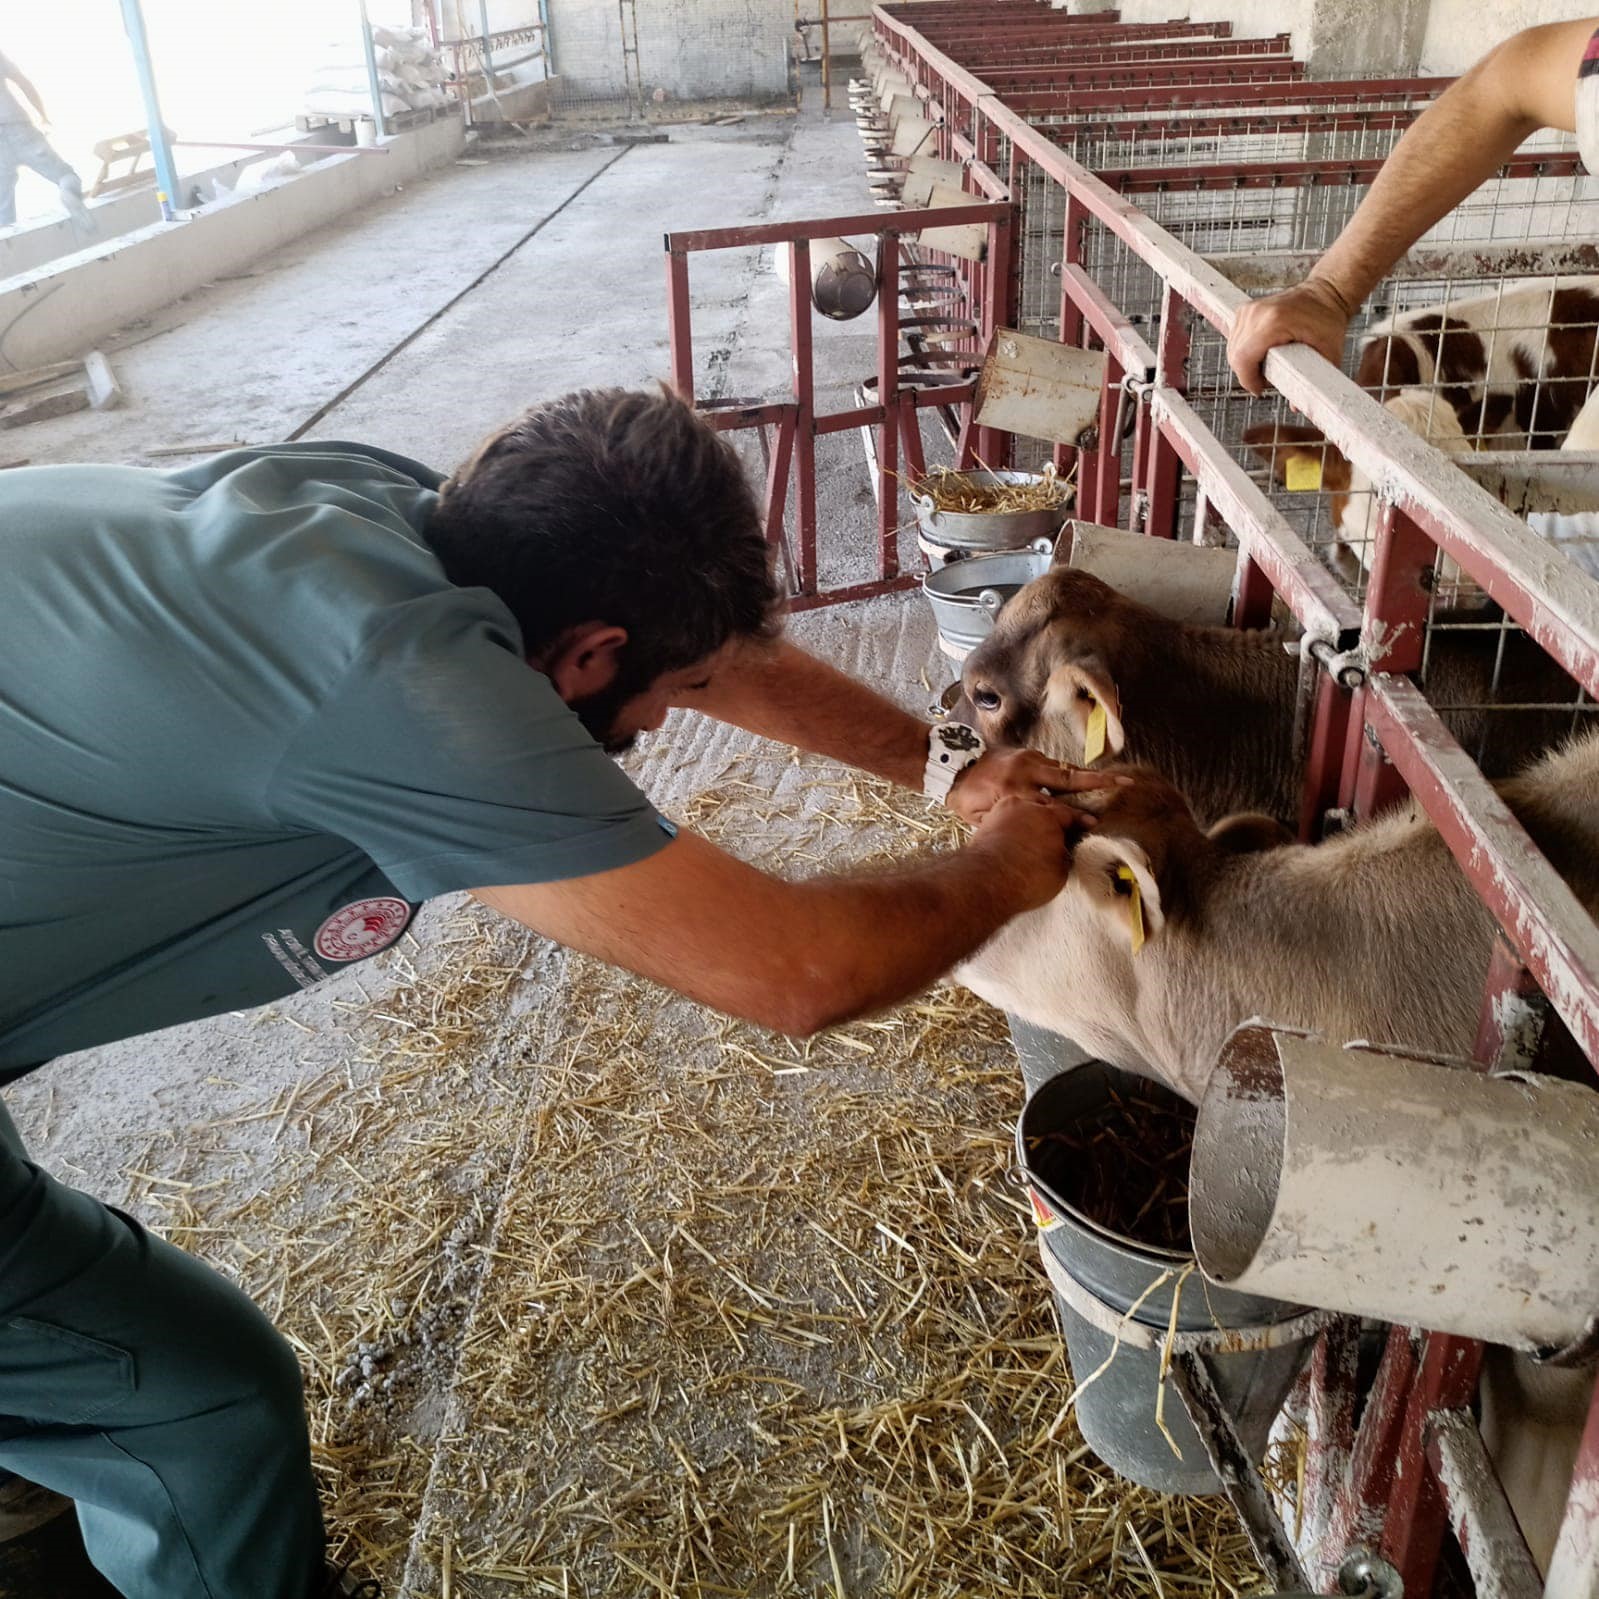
pixel 619 507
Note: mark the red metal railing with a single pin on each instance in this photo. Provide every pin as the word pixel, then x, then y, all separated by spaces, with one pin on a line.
pixel 985 73
pixel 795 425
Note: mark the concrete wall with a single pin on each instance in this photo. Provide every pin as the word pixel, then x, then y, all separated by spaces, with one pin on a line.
pixel 1380 37
pixel 71 304
pixel 687 49
pixel 1459 31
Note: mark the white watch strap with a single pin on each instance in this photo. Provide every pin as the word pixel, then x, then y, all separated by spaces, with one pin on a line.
pixel 951 748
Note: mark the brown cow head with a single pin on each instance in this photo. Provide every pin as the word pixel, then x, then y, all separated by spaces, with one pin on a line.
pixel 1040 676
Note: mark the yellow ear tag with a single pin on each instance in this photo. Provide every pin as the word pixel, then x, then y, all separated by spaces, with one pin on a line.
pixel 1094 738
pixel 1302 474
pixel 1125 873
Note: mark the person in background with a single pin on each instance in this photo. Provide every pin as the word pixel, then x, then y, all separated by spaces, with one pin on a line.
pixel 23 144
pixel 1546 77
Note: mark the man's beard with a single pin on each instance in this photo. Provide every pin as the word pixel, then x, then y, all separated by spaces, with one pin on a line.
pixel 598 713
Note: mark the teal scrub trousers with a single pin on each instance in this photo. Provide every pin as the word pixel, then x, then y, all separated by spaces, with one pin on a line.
pixel 153 1392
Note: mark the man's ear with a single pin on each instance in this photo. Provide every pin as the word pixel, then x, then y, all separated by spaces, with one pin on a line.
pixel 1078 695
pixel 1299 457
pixel 584 660
pixel 1248 833
pixel 1117 876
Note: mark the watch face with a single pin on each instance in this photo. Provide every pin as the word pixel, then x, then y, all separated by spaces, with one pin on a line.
pixel 957 736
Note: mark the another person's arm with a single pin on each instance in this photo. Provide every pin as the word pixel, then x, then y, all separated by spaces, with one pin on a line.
pixel 1454 146
pixel 781 692
pixel 9 73
pixel 800 956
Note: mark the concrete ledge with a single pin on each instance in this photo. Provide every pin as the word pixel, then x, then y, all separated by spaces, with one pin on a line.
pixel 29 247
pixel 77 300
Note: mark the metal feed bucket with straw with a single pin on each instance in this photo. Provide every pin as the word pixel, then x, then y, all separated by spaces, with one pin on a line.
pixel 946 533
pixel 1128 1307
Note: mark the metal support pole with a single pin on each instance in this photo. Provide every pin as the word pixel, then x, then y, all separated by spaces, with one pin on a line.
pixel 1071 318
pixel 166 172
pixel 488 49
pixel 888 465
pixel 549 45
pixel 827 62
pixel 679 323
pixel 379 124
pixel 998 311
pixel 1161 465
pixel 803 374
pixel 1394 633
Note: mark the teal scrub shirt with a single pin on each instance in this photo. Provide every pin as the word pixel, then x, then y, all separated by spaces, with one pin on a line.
pixel 246 726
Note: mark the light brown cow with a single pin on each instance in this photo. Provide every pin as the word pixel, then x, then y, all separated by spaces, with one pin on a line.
pixel 1166 938
pixel 1374 934
pixel 1212 708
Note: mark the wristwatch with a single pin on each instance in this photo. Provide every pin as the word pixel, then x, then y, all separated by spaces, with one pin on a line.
pixel 951 748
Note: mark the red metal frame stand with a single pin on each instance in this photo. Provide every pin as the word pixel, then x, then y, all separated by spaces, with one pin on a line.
pixel 795 424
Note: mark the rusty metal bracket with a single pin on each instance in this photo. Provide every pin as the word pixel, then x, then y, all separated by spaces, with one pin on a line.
pixel 1240 1479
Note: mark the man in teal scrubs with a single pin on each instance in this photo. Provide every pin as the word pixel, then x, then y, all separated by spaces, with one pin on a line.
pixel 252 714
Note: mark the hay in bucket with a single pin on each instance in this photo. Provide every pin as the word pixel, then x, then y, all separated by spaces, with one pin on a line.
pixel 976 494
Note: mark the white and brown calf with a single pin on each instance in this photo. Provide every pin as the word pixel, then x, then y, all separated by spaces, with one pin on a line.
pixel 1510 370
pixel 1167 937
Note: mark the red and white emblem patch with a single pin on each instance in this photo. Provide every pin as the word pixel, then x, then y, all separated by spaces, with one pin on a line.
pixel 362 929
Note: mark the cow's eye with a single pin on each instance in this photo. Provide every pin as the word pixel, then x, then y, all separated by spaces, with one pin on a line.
pixel 985 699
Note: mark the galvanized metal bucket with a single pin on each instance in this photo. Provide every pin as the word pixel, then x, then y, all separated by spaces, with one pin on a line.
pixel 967 594
pixel 1254 1347
pixel 989 530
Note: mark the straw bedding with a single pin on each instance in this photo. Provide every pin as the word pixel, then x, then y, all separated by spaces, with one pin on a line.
pixel 599 1293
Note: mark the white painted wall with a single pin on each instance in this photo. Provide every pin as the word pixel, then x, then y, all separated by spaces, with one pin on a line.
pixel 1459 31
pixel 690 49
pixel 1380 37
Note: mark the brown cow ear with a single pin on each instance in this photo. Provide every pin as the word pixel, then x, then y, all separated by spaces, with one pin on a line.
pixel 1292 449
pixel 1248 833
pixel 1075 692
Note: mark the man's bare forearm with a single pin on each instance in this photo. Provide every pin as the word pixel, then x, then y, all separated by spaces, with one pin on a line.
pixel 801 956
pixel 782 693
pixel 885 938
pixel 1454 147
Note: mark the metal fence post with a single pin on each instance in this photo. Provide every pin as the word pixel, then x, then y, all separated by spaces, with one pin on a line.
pixel 166 172
pixel 379 122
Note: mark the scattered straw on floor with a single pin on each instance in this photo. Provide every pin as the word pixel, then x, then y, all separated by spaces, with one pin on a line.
pixel 626 1299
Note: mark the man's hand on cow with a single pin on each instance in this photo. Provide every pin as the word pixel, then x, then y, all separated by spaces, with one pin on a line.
pixel 1313 312
pixel 1024 773
pixel 1028 838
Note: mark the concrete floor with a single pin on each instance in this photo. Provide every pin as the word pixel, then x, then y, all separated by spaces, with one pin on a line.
pixel 418 325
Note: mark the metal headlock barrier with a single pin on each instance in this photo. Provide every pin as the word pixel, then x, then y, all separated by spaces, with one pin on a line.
pixel 1147 167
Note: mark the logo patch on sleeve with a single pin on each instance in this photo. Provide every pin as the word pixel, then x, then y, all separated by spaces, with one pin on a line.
pixel 362 929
